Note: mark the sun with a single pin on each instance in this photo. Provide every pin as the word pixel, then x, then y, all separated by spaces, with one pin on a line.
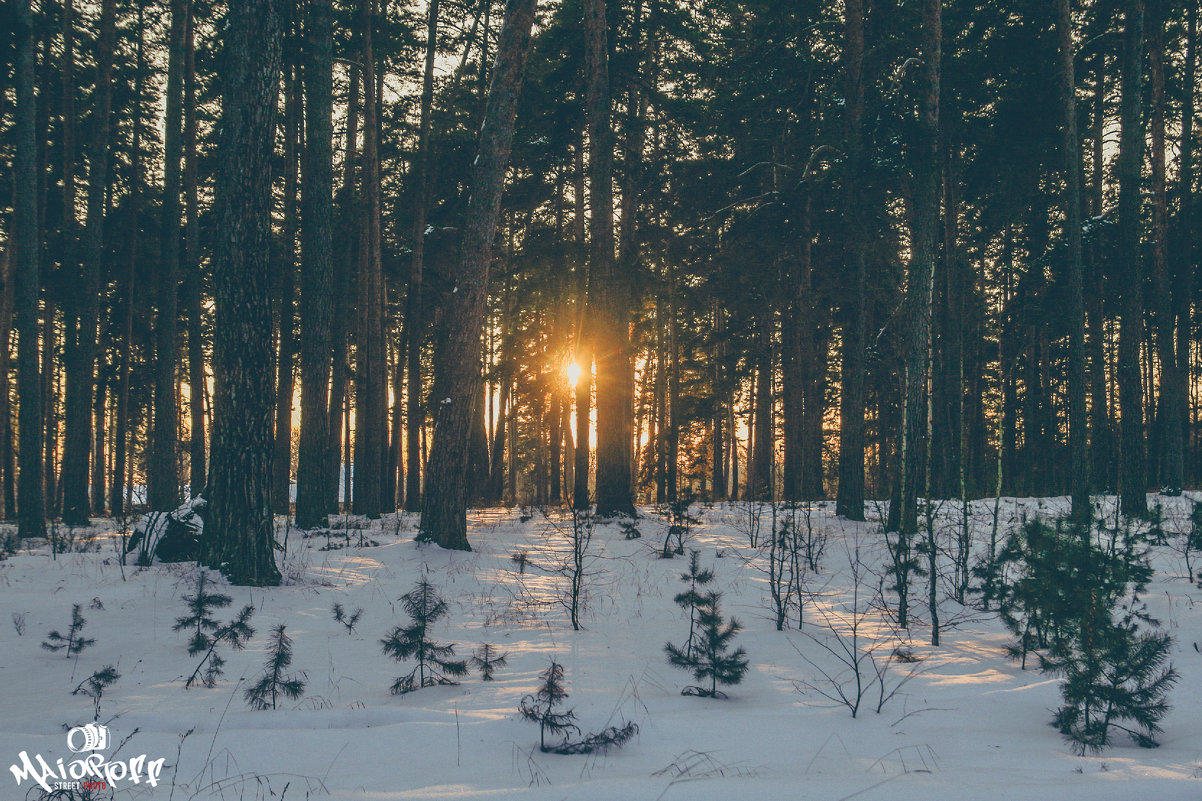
pixel 573 371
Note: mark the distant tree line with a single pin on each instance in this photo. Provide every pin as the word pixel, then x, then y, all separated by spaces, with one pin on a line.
pixel 329 252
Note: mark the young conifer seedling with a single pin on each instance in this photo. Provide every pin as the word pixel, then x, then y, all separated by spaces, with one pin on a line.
pixel 435 662
pixel 540 707
pixel 74 641
pixel 487 660
pixel 236 634
pixel 276 683
pixel 709 660
pixel 348 621
pixel 200 620
pixel 693 599
pixel 95 685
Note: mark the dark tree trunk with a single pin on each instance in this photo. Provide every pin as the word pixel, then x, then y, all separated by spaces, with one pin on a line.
pixel 849 501
pixel 26 244
pixel 281 463
pixel 629 233
pixel 1171 408
pixel 608 294
pixel 919 286
pixel 814 342
pixel 394 477
pixel 77 417
pixel 496 473
pixel 193 289
pixel 1070 146
pixel 672 411
pixel 317 268
pixel 444 504
pixel 122 444
pixel 1132 472
pixel 49 399
pixel 718 413
pixel 81 362
pixel 584 349
pixel 340 464
pixel 99 450
pixel 239 537
pixel 415 415
pixel 1101 435
pixel 162 480
pixel 761 488
pixel 371 407
pixel 7 453
pixel 478 446
pixel 792 380
pixel 1183 256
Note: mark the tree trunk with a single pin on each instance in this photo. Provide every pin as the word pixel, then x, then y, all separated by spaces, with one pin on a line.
pixel 1100 434
pixel 239 536
pixel 99 450
pixel 718 414
pixel 672 412
pixel 77 418
pixel 919 285
pixel 608 295
pixel 193 280
pixel 49 399
pixel 1184 280
pixel 415 416
pixel 1169 413
pixel 81 361
pixel 1133 476
pixel 371 408
pixel 849 500
pixel 162 480
pixel 7 453
pixel 584 349
pixel 761 488
pixel 122 444
pixel 26 246
pixel 317 268
pixel 281 463
pixel 444 504
pixel 1070 147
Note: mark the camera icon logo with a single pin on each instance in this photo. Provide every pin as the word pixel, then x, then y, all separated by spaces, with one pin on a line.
pixel 95 738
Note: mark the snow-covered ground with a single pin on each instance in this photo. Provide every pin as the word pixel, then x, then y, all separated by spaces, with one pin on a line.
pixel 969 724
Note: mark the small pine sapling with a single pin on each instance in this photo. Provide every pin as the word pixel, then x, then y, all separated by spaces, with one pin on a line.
pixel 692 599
pixel 348 621
pixel 630 530
pixel 276 683
pixel 199 619
pixel 74 641
pixel 487 660
pixel 540 707
pixel 1115 677
pixel 435 664
pixel 236 634
pixel 521 559
pixel 95 685
pixel 710 660
pixel 680 524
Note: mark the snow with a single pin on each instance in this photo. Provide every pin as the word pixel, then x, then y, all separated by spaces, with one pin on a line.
pixel 969 724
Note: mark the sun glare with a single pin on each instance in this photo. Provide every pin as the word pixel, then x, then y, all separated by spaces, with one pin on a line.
pixel 573 371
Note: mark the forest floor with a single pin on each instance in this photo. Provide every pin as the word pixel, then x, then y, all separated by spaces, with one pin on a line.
pixel 963 721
